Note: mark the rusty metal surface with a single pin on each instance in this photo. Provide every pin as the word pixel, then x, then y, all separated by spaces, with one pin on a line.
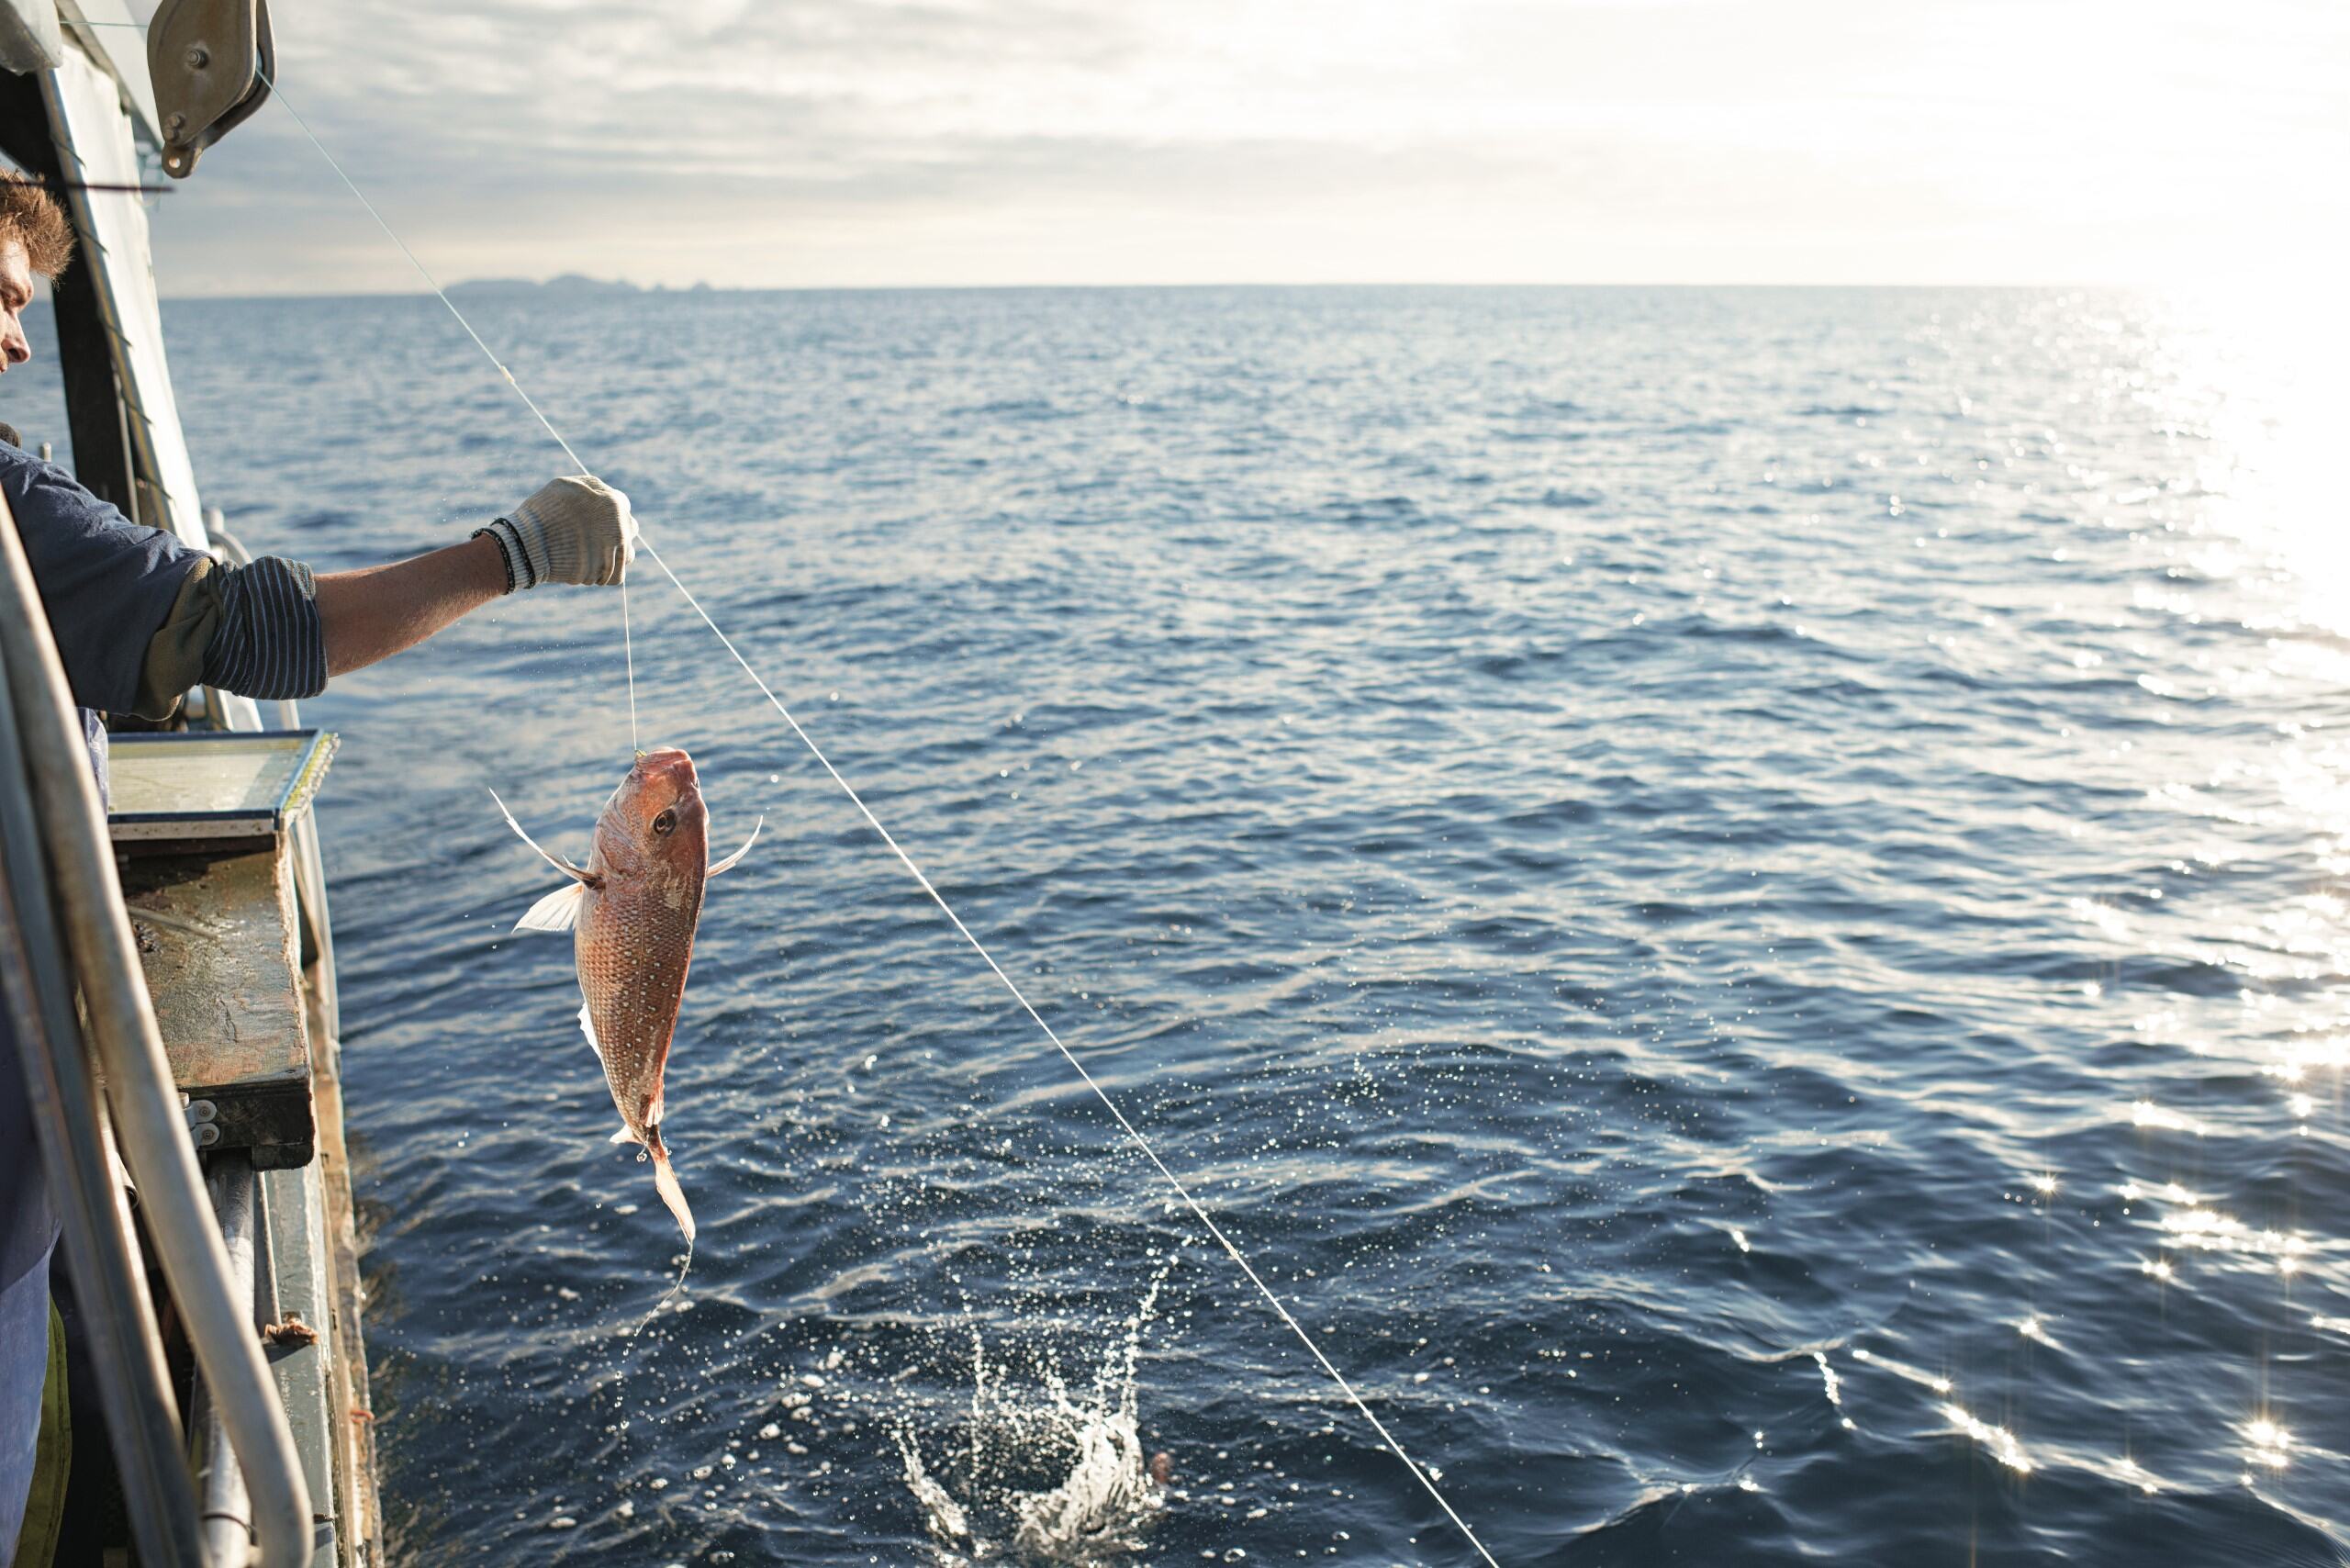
pixel 216 936
pixel 356 1475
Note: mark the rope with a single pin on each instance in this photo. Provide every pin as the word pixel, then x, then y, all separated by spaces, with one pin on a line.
pixel 1133 1134
pixel 628 643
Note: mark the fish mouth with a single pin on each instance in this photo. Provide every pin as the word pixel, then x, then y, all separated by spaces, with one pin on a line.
pixel 666 762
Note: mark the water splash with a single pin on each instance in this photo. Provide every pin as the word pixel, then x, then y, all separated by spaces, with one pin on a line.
pixel 1033 1469
pixel 942 1516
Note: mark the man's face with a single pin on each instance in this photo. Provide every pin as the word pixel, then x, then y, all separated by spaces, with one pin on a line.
pixel 16 292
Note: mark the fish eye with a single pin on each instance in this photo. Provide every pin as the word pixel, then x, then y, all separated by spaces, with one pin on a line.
pixel 666 824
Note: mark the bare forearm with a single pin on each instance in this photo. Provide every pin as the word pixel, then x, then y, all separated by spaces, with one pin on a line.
pixel 373 613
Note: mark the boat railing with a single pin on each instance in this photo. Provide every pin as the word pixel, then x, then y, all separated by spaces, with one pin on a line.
pixel 60 862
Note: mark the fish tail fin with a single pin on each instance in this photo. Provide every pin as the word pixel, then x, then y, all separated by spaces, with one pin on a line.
pixel 665 1180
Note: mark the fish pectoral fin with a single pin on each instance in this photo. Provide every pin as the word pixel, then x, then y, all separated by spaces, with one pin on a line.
pixel 558 912
pixel 557 861
pixel 736 858
pixel 624 1135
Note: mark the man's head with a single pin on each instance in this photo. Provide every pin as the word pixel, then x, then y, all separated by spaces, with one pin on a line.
pixel 34 237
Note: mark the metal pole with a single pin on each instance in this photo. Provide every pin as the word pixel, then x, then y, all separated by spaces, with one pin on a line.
pixel 227 1507
pixel 139 1080
pixel 135 1395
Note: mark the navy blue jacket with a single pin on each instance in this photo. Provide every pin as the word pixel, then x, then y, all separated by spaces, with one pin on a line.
pixel 107 583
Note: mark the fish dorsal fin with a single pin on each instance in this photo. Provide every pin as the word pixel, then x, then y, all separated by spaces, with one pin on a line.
pixel 588 1027
pixel 559 911
pixel 736 858
pixel 557 861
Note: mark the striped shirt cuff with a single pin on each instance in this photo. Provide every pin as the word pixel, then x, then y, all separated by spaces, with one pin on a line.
pixel 269 643
pixel 509 550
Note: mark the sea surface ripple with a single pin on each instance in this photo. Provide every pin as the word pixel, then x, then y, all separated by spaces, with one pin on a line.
pixel 1737 894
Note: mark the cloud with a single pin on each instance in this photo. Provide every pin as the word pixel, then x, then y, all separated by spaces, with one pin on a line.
pixel 845 141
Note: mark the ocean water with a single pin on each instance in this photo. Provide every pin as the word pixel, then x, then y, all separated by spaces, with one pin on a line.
pixel 1738 896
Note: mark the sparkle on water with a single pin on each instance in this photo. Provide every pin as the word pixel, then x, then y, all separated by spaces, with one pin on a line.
pixel 1682 864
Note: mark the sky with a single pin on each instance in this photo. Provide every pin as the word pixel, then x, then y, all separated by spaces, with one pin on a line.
pixel 775 143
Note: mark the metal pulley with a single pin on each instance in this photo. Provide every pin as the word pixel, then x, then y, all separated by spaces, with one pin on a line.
pixel 212 61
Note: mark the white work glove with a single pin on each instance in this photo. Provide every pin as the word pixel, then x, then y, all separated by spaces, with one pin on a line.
pixel 574 529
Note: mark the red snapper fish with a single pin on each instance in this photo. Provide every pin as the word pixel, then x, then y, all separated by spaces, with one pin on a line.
pixel 631 914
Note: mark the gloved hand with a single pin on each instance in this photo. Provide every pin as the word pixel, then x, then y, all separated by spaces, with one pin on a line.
pixel 574 529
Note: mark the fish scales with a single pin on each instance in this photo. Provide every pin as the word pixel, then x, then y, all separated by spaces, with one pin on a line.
pixel 632 912
pixel 635 941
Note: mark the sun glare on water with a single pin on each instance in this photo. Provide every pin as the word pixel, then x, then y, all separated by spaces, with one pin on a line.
pixel 2258 375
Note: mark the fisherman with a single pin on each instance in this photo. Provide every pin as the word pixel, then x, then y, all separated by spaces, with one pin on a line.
pixel 139 618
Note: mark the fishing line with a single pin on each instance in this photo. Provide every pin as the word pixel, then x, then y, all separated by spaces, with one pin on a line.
pixel 1133 1135
pixel 1100 1093
pixel 628 651
pixel 627 642
pixel 683 1271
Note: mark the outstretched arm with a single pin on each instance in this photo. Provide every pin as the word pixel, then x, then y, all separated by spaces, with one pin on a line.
pixel 573 530
pixel 139 618
pixel 374 612
pixel 273 630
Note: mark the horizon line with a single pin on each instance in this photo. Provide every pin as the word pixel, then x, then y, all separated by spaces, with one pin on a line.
pixel 610 287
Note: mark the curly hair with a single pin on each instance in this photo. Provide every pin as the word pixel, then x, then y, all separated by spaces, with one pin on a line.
pixel 30 216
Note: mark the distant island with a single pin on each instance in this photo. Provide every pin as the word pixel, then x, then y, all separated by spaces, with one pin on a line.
pixel 569 286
